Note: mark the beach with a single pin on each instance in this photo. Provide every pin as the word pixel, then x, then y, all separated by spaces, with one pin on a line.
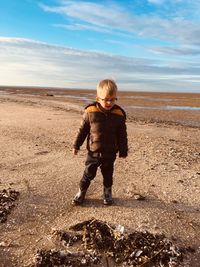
pixel 37 130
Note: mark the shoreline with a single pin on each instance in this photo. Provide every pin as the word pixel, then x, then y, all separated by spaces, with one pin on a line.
pixel 62 89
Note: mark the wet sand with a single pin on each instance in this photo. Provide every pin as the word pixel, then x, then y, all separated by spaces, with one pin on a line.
pixel 171 108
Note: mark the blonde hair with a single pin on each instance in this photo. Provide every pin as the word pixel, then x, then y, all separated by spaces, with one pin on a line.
pixel 107 85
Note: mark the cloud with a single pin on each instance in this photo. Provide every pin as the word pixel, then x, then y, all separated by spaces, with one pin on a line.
pixel 32 63
pixel 91 13
pixel 173 21
pixel 179 50
pixel 82 27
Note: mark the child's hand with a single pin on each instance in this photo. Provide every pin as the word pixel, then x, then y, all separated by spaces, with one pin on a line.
pixel 75 151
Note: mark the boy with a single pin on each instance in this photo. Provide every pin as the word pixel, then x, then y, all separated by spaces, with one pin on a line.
pixel 104 127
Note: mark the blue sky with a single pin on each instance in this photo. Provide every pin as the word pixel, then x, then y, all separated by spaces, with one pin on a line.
pixel 145 45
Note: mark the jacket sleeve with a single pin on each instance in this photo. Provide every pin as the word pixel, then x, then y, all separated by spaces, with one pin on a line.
pixel 82 132
pixel 122 139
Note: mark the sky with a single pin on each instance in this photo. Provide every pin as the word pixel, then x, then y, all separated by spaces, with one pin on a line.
pixel 144 45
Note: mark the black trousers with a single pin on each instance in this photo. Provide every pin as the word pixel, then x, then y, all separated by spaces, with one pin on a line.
pixel 92 163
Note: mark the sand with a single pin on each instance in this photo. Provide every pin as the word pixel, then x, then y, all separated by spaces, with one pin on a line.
pixel 36 136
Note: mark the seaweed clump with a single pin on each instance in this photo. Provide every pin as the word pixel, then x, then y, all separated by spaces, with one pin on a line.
pixel 104 242
pixel 7 202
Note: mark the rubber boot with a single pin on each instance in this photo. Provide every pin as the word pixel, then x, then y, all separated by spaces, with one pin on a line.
pixel 79 197
pixel 107 196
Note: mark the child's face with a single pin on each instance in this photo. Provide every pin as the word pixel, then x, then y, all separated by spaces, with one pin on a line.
pixel 105 100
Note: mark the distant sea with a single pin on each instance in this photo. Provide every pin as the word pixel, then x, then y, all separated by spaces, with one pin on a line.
pixel 171 108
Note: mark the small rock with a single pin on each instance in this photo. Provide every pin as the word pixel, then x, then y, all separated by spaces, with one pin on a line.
pixel 180 181
pixel 3 244
pixel 139 197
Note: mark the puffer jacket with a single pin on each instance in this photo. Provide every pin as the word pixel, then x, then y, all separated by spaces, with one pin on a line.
pixel 105 130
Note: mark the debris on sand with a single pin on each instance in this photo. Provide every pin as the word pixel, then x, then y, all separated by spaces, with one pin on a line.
pixel 7 202
pixel 100 240
pixel 53 258
pixel 67 238
pixel 139 197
